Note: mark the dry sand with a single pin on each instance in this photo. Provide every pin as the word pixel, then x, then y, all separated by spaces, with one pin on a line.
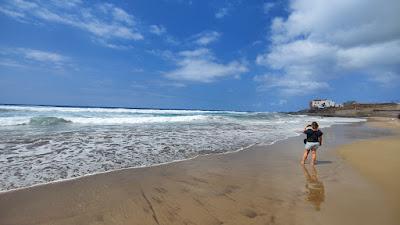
pixel 379 159
pixel 385 122
pixel 261 185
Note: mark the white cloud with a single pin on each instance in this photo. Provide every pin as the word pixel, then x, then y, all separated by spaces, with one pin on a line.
pixel 120 15
pixel 11 63
pixel 157 29
pixel 105 21
pixel 319 42
pixel 343 23
pixel 197 53
pixel 288 86
pixel 268 6
pixel 32 58
pixel 281 102
pixel 206 37
pixel 16 15
pixel 42 56
pixel 385 54
pixel 222 12
pixel 172 40
pixel 164 54
pixel 111 45
pixel 67 4
pixel 387 79
pixel 200 65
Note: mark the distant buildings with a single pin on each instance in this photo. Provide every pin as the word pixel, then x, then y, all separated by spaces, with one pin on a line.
pixel 323 103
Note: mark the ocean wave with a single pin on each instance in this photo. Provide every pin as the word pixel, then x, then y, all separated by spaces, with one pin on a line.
pixel 47 121
pixel 51 120
pixel 267 120
pixel 109 110
pixel 136 119
pixel 6 110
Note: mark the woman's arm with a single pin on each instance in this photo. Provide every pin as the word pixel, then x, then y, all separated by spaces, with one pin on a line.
pixel 306 128
pixel 320 140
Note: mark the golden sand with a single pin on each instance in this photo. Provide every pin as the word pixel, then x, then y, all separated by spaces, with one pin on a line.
pixel 378 159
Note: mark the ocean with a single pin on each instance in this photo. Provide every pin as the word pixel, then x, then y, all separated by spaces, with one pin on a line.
pixel 42 144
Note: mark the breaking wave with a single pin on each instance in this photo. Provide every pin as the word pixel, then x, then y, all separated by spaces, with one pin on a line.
pixel 47 121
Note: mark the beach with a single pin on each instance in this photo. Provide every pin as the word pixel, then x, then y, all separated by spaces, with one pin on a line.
pixel 264 184
pixel 378 159
pixel 181 112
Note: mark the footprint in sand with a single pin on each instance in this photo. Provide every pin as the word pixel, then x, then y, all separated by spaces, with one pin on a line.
pixel 249 213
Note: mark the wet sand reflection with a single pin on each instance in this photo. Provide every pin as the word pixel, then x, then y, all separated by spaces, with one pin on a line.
pixel 314 188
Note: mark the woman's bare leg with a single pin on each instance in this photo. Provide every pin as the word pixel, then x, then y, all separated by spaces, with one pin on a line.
pixel 314 156
pixel 305 155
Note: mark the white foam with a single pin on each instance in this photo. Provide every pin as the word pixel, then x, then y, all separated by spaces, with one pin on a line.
pixel 15 120
pixel 135 120
pixel 129 168
pixel 24 120
pixel 108 110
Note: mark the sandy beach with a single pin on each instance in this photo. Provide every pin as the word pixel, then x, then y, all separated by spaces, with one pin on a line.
pixel 260 185
pixel 181 112
pixel 379 159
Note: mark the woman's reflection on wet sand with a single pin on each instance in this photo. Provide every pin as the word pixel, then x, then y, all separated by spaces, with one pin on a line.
pixel 314 188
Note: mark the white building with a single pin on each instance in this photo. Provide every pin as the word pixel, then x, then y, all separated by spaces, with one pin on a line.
pixel 323 103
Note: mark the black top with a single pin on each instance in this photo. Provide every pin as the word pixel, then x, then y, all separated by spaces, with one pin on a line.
pixel 312 136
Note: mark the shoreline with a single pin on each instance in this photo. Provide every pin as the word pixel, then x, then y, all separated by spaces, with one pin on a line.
pixel 257 185
pixel 122 169
pixel 161 164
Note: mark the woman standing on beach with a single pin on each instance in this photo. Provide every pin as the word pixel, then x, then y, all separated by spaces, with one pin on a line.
pixel 313 141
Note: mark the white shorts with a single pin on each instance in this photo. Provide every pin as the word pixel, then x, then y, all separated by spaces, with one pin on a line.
pixel 312 145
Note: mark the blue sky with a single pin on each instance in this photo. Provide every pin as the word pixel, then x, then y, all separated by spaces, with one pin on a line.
pixel 232 55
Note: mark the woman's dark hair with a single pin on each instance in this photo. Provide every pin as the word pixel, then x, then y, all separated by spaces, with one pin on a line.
pixel 314 125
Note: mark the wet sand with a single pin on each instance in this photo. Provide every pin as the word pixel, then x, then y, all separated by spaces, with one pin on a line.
pixel 261 185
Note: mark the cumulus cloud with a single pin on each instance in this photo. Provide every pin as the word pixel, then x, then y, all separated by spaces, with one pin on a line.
pixel 318 42
pixel 105 21
pixel 206 37
pixel 289 86
pixel 200 65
